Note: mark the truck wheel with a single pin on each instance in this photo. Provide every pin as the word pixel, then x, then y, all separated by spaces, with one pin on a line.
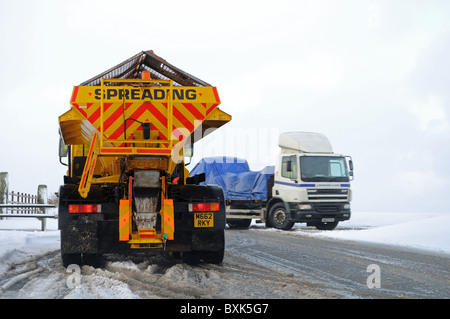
pixel 213 257
pixel 239 223
pixel 194 258
pixel 278 217
pixel 326 226
pixel 69 259
pixel 207 256
pixel 94 260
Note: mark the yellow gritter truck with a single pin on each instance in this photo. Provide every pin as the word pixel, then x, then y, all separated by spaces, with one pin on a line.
pixel 126 136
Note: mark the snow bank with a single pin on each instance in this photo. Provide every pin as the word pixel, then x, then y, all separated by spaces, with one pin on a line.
pixel 22 237
pixel 99 287
pixel 419 230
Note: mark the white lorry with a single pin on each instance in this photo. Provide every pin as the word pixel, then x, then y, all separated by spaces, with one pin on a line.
pixel 309 184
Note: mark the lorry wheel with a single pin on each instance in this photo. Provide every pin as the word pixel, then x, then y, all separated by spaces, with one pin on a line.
pixel 194 258
pixel 239 223
pixel 326 226
pixel 214 254
pixel 94 260
pixel 69 259
pixel 278 217
pixel 213 257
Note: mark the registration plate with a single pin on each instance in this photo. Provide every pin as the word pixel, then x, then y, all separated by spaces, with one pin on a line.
pixel 327 220
pixel 203 220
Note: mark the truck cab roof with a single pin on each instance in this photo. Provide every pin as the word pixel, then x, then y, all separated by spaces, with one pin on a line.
pixel 305 142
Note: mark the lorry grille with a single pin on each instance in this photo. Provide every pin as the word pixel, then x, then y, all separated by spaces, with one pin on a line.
pixel 327 208
pixel 315 194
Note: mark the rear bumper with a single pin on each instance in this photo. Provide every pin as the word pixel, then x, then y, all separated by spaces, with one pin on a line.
pixel 93 234
pixel 98 233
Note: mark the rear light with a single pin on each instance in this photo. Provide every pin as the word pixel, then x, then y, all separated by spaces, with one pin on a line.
pixel 85 208
pixel 204 207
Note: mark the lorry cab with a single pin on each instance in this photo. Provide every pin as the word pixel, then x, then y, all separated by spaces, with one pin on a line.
pixel 311 183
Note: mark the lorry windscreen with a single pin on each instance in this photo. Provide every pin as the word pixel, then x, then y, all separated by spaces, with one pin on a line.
pixel 324 169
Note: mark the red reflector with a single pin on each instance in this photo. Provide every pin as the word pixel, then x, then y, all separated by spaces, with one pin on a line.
pixel 85 208
pixel 204 207
pixel 147 233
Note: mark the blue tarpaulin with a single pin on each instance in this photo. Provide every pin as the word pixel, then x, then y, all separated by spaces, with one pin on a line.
pixel 234 176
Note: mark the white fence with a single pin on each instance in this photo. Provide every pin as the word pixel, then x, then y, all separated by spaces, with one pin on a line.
pixel 16 204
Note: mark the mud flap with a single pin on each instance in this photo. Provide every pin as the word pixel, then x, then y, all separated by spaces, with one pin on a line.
pixel 210 240
pixel 81 235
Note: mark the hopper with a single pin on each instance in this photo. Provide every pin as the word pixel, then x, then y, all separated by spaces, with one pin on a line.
pixel 134 116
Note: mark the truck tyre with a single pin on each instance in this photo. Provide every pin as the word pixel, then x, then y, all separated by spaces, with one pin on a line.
pixel 279 218
pixel 194 258
pixel 212 257
pixel 69 259
pixel 326 226
pixel 208 257
pixel 239 223
pixel 94 260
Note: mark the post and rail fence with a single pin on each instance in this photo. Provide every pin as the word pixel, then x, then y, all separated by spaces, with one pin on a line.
pixel 16 204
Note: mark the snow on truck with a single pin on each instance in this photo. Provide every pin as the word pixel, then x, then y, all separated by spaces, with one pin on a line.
pixel 127 188
pixel 309 184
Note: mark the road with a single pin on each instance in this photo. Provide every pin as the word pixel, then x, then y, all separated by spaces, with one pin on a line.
pixel 342 266
pixel 259 263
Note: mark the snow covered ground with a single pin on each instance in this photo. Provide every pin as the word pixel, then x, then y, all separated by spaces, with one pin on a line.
pixel 428 231
pixel 22 236
pixel 26 251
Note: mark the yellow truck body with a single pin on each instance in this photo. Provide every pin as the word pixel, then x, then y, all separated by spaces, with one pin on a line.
pixel 127 131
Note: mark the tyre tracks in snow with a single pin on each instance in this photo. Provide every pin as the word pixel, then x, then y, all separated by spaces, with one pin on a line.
pixel 343 267
pixel 31 277
pixel 258 264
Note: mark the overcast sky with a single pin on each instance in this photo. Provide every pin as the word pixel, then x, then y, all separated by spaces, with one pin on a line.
pixel 374 76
